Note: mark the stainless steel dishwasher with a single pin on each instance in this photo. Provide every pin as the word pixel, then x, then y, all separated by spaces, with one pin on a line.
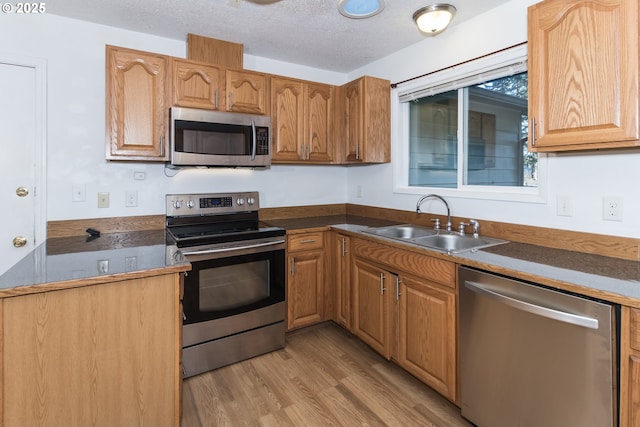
pixel 535 357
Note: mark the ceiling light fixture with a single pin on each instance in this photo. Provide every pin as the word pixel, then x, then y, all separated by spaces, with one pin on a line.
pixel 360 8
pixel 435 18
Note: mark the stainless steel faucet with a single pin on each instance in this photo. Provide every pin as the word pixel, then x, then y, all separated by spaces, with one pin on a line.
pixel 435 196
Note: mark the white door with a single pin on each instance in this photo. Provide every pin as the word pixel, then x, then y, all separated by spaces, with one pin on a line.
pixel 22 138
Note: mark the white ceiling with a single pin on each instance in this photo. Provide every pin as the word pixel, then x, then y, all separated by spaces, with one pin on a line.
pixel 306 32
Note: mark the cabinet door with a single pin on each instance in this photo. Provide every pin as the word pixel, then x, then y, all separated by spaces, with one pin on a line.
pixel 370 306
pixel 343 280
pixel 305 288
pixel 101 355
pixel 196 85
pixel 136 108
pixel 375 144
pixel 427 334
pixel 353 119
pixel 319 122
pixel 246 92
pixel 287 113
pixel 583 74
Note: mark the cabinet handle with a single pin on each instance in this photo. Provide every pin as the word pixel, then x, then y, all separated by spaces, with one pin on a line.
pixel 293 266
pixel 382 288
pixel 303 146
pixel 309 152
pixel 398 288
pixel 344 249
pixel 357 151
pixel 308 241
pixel 216 96
pixel 230 101
pixel 161 145
pixel 533 131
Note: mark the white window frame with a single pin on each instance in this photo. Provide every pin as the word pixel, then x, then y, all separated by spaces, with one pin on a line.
pixel 467 74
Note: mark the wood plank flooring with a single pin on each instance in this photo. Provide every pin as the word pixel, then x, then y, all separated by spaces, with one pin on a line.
pixel 323 377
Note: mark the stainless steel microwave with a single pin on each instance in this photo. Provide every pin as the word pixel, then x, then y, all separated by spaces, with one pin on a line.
pixel 213 138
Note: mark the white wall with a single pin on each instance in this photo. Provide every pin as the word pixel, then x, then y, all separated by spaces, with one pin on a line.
pixel 75 55
pixel 585 177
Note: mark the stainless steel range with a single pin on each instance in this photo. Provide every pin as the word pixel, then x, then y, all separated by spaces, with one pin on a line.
pixel 234 296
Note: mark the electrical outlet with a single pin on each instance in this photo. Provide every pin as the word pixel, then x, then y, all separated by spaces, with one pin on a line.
pixel 359 191
pixel 564 207
pixel 103 200
pixel 131 199
pixel 103 266
pixel 612 208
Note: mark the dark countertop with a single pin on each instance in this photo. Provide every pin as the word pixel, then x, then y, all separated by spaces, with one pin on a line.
pixel 75 260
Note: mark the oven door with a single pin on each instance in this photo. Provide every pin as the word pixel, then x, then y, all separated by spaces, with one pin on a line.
pixel 228 281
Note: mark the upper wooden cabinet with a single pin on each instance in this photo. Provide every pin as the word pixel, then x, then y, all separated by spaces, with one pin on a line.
pixel 246 92
pixel 583 74
pixel 302 116
pixel 137 114
pixel 197 85
pixel 365 128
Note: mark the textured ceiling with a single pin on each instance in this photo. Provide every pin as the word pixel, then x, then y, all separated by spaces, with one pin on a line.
pixel 306 32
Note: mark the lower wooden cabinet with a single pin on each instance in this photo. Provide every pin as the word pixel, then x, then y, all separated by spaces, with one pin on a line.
pixel 404 307
pixel 342 279
pixel 630 368
pixel 305 279
pixel 371 306
pixel 427 333
pixel 100 355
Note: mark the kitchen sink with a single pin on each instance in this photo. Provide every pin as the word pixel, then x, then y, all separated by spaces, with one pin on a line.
pixel 439 240
pixel 455 243
pixel 401 232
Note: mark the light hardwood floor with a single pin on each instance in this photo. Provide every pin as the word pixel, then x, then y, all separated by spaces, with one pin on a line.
pixel 323 377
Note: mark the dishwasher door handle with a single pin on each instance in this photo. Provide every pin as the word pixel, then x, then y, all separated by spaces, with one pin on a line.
pixel 587 322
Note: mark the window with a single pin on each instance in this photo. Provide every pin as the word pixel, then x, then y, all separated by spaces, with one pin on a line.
pixel 465 129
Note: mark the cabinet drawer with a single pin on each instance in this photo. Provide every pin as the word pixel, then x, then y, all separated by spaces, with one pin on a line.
pixel 634 339
pixel 401 261
pixel 302 242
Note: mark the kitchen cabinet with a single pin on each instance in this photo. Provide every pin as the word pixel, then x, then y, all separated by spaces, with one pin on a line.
pixel 365 125
pixel 630 368
pixel 371 306
pixel 404 307
pixel 305 279
pixel 583 75
pixel 246 92
pixel 104 354
pixel 197 85
pixel 137 88
pixel 342 274
pixel 427 332
pixel 302 116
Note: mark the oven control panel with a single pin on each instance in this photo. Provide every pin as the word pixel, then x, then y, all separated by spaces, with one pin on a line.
pixel 212 203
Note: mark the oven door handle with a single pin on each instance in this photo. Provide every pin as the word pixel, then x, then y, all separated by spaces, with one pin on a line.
pixel 235 248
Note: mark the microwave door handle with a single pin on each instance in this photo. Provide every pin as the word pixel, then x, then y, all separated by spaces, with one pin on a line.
pixel 254 140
